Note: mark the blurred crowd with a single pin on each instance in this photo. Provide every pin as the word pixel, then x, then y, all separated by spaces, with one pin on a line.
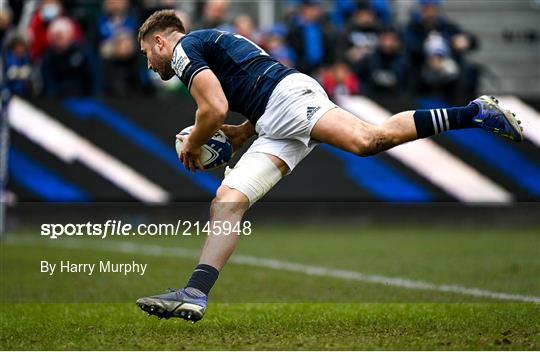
pixel 63 48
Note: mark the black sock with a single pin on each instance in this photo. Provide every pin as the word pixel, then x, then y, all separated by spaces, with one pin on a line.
pixel 435 121
pixel 203 278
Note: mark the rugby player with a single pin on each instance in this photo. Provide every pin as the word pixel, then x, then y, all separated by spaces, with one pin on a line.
pixel 288 111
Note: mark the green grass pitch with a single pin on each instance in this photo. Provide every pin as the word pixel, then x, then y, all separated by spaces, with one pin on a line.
pixel 260 307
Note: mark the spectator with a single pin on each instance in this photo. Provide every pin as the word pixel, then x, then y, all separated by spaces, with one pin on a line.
pixel 156 5
pixel 16 8
pixel 383 72
pixel 66 68
pixel 361 34
pixel 244 26
pixel 339 80
pixel 182 8
pixel 85 14
pixel 47 12
pixel 276 47
pixel 214 15
pixel 430 20
pixel 17 65
pixel 6 17
pixel 115 19
pixel 440 72
pixel 116 31
pixel 343 10
pixel 186 20
pixel 121 66
pixel 382 9
pixel 311 37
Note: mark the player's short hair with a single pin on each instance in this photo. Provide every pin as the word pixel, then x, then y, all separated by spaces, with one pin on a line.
pixel 161 21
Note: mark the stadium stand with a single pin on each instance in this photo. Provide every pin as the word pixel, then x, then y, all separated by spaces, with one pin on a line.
pixel 510 42
pixel 108 133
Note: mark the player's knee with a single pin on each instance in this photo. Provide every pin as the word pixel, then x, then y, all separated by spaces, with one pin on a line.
pixel 225 194
pixel 229 200
pixel 252 177
pixel 370 143
pixel 362 146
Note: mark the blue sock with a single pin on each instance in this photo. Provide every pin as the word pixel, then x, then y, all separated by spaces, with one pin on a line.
pixel 203 278
pixel 435 121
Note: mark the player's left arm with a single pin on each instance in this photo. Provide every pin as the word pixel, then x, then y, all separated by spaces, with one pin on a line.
pixel 239 134
pixel 212 108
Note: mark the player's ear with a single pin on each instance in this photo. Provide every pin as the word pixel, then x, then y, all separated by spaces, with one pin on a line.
pixel 159 40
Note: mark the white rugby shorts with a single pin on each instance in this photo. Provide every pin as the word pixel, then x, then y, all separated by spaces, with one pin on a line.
pixel 284 130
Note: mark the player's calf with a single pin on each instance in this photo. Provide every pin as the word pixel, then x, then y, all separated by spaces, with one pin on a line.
pixel 226 212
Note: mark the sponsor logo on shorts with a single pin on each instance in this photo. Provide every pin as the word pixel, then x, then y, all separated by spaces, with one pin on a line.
pixel 311 110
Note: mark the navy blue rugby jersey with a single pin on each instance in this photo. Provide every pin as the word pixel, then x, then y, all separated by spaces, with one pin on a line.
pixel 247 74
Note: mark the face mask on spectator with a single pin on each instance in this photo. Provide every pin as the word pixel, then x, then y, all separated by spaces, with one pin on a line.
pixel 50 11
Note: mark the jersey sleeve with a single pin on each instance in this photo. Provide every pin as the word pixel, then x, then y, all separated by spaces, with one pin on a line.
pixel 188 60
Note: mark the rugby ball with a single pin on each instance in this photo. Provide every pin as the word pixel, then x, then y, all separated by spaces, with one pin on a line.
pixel 215 153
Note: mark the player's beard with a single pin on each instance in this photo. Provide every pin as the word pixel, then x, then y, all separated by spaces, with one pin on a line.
pixel 164 69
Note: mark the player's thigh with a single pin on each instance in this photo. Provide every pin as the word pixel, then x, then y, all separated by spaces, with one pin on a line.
pixel 343 130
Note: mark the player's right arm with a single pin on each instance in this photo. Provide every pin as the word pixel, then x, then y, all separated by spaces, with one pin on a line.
pixel 212 107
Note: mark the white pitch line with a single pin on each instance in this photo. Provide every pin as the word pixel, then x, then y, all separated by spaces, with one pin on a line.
pixel 175 252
